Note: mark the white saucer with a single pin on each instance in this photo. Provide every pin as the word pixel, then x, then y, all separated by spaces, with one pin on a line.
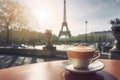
pixel 95 66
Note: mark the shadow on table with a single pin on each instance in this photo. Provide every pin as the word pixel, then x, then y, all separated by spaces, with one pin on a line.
pixel 101 75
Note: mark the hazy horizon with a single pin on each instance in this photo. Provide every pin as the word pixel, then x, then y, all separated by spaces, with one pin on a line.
pixel 98 13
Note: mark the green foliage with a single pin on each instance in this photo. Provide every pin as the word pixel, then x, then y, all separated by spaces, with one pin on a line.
pixel 25 36
pixel 91 38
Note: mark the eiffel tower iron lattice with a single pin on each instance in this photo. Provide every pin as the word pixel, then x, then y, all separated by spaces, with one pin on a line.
pixel 65 32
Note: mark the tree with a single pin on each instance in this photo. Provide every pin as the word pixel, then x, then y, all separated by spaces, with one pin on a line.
pixel 13 15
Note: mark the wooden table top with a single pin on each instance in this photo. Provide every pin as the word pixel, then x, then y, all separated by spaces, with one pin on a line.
pixel 53 71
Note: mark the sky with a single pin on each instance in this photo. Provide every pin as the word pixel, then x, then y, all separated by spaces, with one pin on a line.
pixel 98 13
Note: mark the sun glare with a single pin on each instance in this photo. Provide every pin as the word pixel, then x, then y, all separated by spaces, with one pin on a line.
pixel 43 15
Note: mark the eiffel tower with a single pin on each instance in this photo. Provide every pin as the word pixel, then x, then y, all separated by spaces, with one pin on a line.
pixel 65 32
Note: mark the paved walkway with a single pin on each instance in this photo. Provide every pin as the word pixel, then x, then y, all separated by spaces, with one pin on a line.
pixel 9 61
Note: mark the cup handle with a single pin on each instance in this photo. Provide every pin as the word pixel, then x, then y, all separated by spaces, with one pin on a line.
pixel 96 56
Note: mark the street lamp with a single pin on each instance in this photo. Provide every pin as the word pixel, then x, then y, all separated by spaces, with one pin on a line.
pixel 86 31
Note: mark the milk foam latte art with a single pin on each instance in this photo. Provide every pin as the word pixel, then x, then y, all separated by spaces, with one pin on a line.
pixel 81 56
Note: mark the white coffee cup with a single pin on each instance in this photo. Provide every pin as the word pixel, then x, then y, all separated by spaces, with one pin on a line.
pixel 81 56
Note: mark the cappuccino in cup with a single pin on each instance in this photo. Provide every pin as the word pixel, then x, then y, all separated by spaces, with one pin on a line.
pixel 81 56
